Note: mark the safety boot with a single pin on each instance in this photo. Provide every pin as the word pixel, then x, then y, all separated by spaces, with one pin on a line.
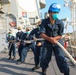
pixel 66 74
pixel 35 68
pixel 14 58
pixel 18 59
pixel 9 58
pixel 43 71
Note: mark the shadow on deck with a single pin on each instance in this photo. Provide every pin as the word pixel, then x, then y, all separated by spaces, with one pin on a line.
pixel 10 67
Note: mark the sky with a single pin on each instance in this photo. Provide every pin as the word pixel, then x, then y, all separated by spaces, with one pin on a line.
pixel 64 12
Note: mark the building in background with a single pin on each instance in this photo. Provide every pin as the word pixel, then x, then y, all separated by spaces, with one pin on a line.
pixel 21 12
pixel 71 4
pixel 46 15
pixel 14 13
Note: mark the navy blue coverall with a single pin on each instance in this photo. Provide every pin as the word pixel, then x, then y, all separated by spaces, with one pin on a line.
pixel 26 47
pixel 11 46
pixel 35 34
pixel 18 39
pixel 53 30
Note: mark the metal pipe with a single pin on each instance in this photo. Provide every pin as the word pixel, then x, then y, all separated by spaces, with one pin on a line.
pixel 37 2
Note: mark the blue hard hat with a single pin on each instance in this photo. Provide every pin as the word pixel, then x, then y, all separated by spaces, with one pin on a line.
pixel 54 7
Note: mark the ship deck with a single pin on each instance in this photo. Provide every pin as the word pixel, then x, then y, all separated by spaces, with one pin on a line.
pixel 10 67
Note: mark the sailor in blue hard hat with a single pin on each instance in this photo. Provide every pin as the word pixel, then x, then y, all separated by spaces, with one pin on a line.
pixel 54 8
pixel 51 29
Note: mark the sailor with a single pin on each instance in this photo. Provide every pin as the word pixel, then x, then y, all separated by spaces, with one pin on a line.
pixel 38 45
pixel 51 29
pixel 18 41
pixel 26 45
pixel 11 39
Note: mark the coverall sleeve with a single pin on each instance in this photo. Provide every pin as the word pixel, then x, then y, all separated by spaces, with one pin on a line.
pixel 17 36
pixel 7 38
pixel 23 37
pixel 32 34
pixel 14 38
pixel 42 28
pixel 61 28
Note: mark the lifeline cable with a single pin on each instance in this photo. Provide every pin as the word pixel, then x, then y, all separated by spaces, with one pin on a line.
pixel 66 52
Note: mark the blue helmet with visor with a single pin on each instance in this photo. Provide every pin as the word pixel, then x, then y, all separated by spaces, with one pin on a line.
pixel 54 7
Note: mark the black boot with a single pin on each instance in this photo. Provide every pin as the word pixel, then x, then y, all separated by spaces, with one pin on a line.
pixel 9 58
pixel 35 68
pixel 14 58
pixel 18 59
pixel 66 74
pixel 43 71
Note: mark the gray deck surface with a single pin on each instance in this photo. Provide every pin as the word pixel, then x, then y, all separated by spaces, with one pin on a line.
pixel 10 67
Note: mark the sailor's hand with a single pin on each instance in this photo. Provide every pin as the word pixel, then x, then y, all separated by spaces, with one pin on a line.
pixel 34 38
pixel 39 44
pixel 53 40
pixel 12 41
pixel 18 44
pixel 28 42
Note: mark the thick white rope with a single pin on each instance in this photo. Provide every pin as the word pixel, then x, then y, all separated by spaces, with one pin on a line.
pixel 67 53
